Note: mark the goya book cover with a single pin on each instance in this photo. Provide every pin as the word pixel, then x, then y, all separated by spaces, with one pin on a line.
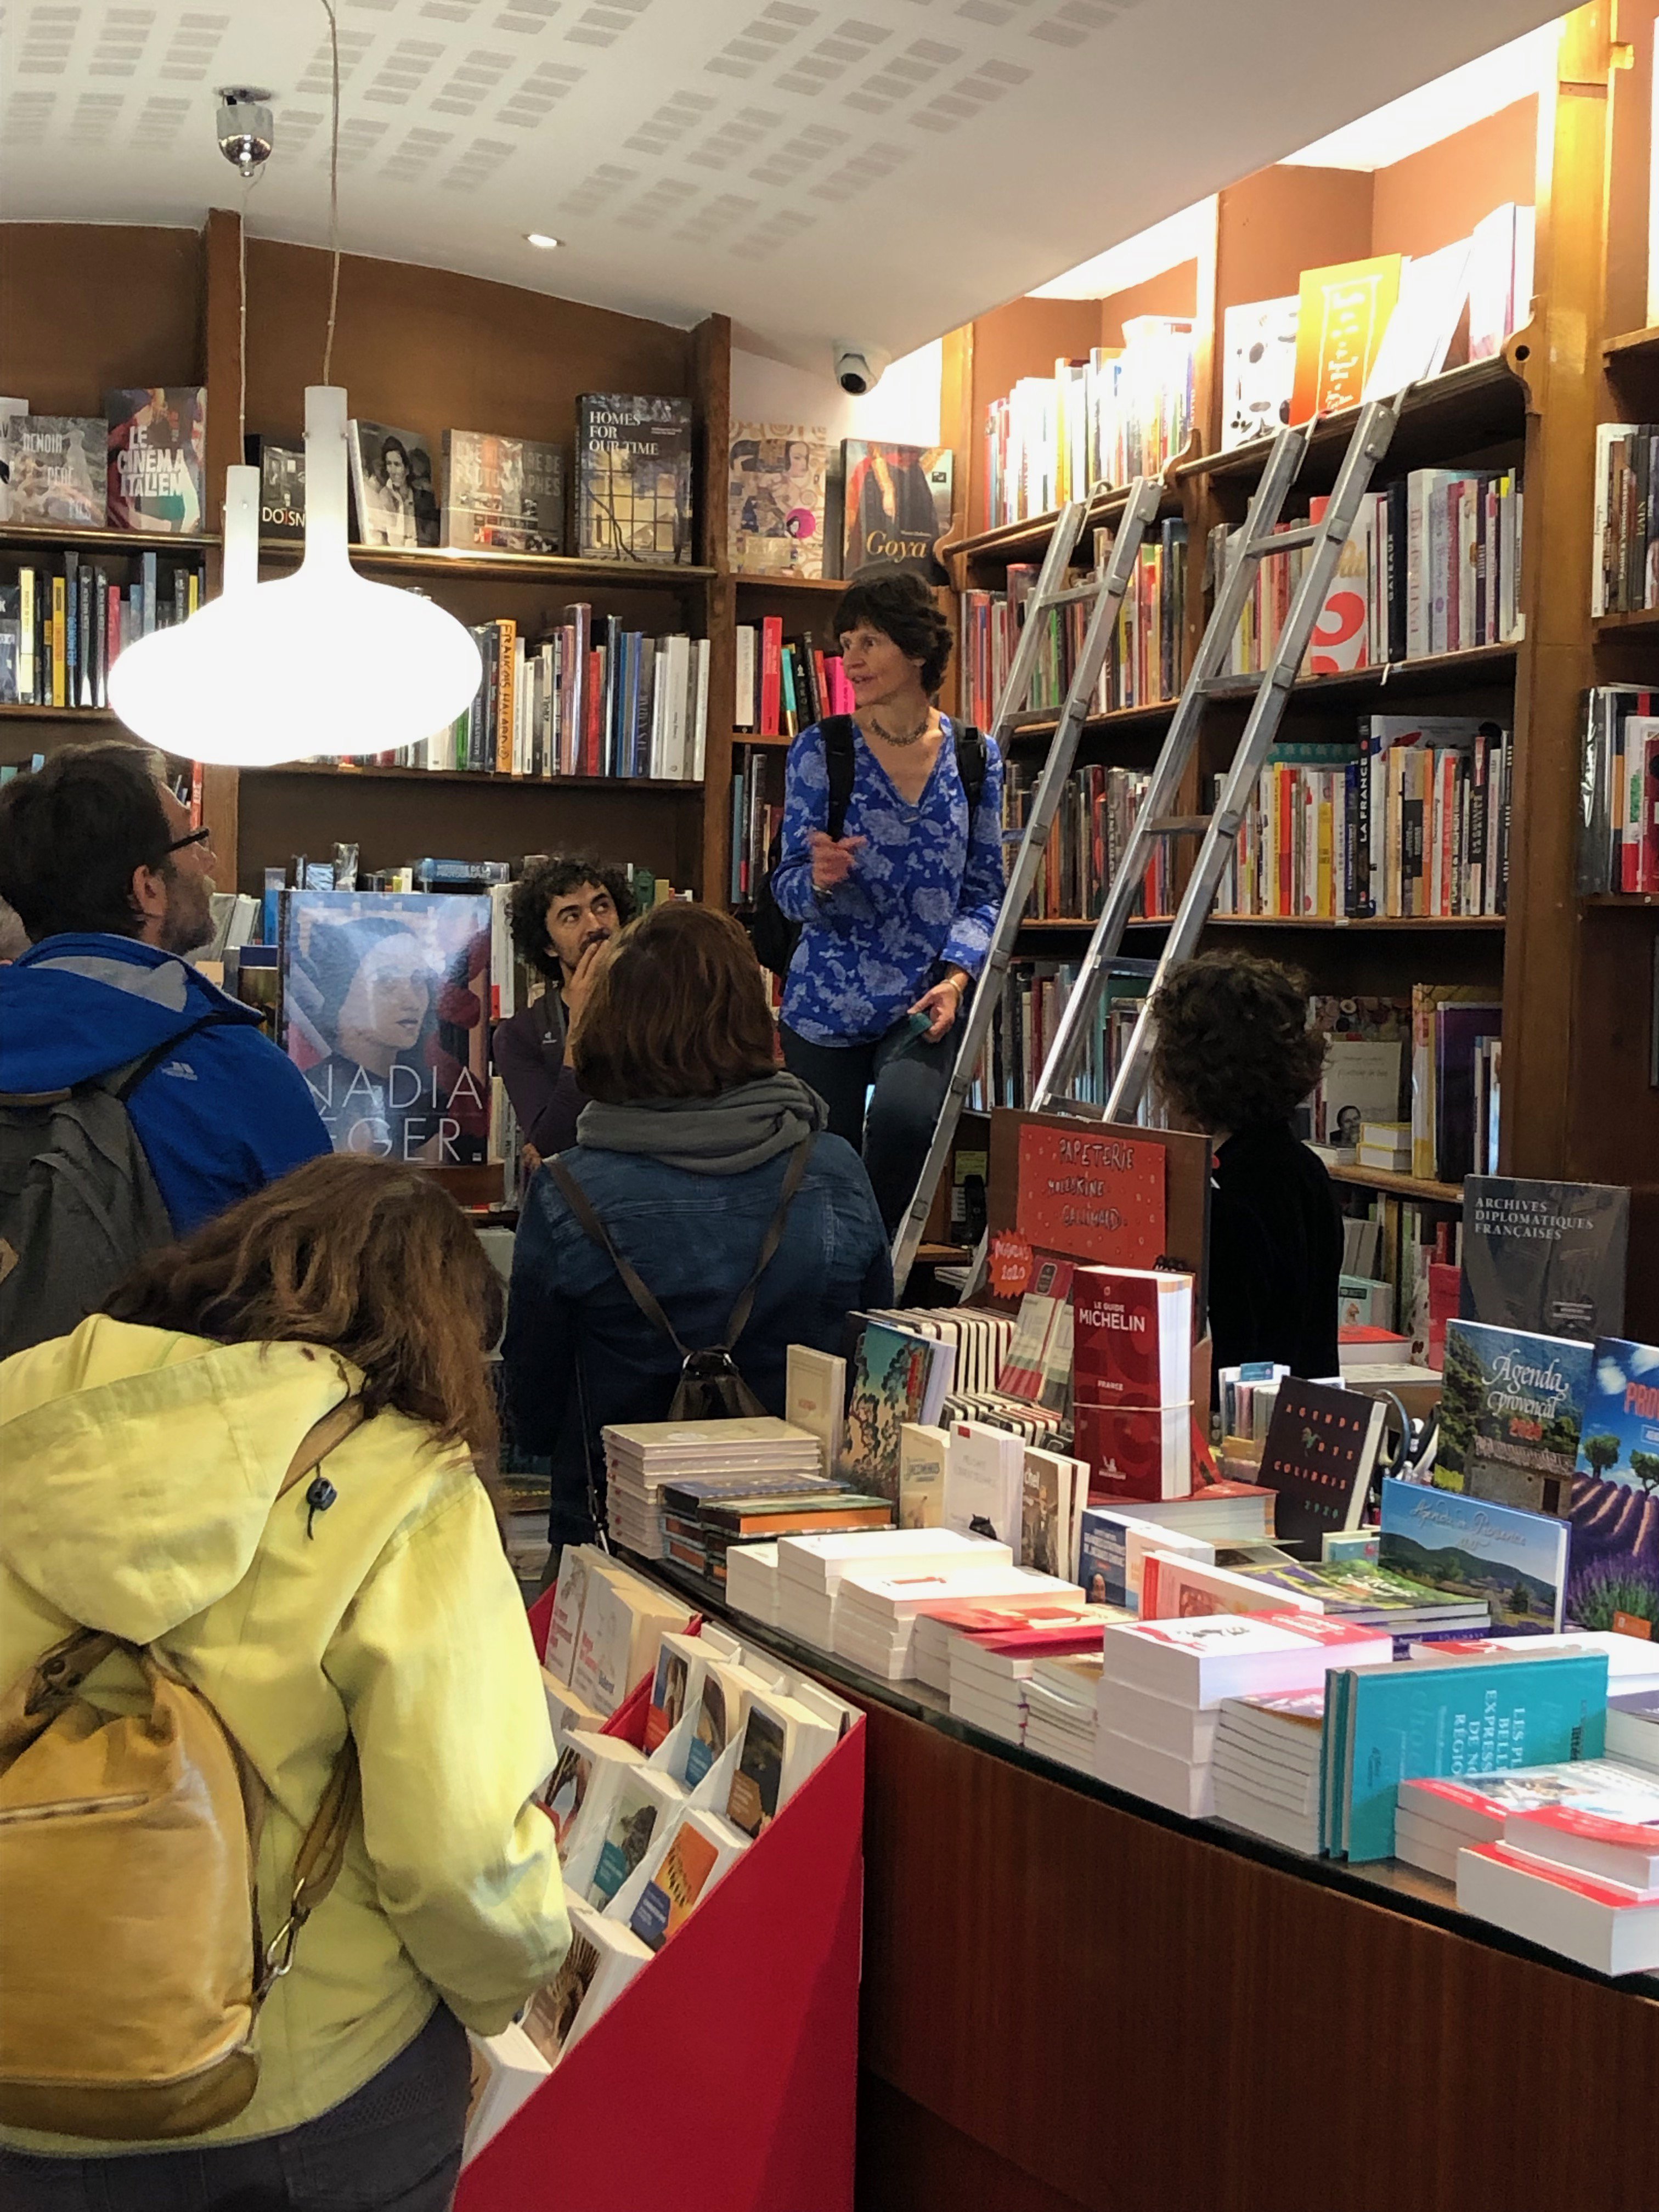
pixel 633 478
pixel 1545 1256
pixel 1511 1407
pixel 898 507
pixel 54 470
pixel 775 499
pixel 1471 1547
pixel 502 495
pixel 383 1003
pixel 157 458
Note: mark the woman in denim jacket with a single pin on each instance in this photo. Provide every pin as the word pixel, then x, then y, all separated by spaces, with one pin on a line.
pixel 682 1155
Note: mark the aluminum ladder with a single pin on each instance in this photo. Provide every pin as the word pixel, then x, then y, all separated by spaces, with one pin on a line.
pixel 1372 434
pixel 1014 713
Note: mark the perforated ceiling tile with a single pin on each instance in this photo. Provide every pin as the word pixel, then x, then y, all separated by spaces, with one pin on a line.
pixel 856 176
pixel 599 186
pixel 539 95
pixel 777 230
pixel 797 154
pixel 1077 20
pixel 970 97
pixel 528 18
pixel 411 163
pixel 716 217
pixel 403 72
pixel 736 139
pixel 669 123
pixel 604 26
pixel 477 165
pixel 778 24
pixel 48 36
pixel 468 83
pixel 317 77
pixel 668 198
pixel 902 77
pixel 159 123
pixel 27 116
pixel 359 137
pixel 296 127
pixel 832 56
pixel 194 43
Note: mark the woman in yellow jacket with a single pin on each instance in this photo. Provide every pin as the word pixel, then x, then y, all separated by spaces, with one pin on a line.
pixel 141 1456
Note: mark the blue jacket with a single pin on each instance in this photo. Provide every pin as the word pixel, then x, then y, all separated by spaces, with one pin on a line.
pixel 694 1240
pixel 218 1119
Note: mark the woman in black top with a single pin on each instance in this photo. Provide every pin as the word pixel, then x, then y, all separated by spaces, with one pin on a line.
pixel 1233 1055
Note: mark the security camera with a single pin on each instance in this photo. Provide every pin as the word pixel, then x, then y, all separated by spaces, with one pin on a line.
pixel 243 127
pixel 859 366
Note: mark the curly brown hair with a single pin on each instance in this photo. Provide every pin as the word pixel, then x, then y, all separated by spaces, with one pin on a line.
pixel 901 606
pixel 537 888
pixel 374 1260
pixel 1231 1046
pixel 678 1010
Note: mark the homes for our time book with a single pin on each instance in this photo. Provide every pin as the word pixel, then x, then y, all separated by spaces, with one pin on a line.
pixel 633 478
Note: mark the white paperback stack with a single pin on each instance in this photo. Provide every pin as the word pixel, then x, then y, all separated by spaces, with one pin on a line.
pixel 1062 1700
pixel 751 1580
pixel 1577 1882
pixel 1164 1682
pixel 1268 1766
pixel 939 1628
pixel 876 1613
pixel 989 1673
pixel 640 1456
pixel 1435 1819
pixel 810 1569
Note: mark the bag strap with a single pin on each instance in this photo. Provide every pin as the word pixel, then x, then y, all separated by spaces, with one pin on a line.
pixel 971 766
pixel 841 762
pixel 576 1197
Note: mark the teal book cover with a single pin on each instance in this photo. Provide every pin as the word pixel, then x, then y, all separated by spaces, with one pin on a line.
pixel 1515 1561
pixel 1428 1718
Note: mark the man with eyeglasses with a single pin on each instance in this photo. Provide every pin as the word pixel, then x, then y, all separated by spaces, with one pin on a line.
pixel 112 884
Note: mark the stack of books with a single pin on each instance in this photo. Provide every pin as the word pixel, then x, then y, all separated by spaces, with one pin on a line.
pixel 939 1628
pixel 877 1614
pixel 1374 1596
pixel 988 1674
pixel 1268 1766
pixel 1062 1700
pixel 640 1456
pixel 704 1523
pixel 751 1580
pixel 1437 1817
pixel 1619 820
pixel 1164 1682
pixel 1633 1729
pixel 810 1568
pixel 1578 1883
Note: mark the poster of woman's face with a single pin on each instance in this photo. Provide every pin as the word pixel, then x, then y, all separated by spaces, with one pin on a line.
pixel 383 997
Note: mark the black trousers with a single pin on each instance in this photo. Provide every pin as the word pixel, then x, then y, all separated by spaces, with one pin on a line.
pixel 395 2146
pixel 910 1079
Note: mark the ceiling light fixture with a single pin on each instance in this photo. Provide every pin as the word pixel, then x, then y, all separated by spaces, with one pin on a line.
pixel 322 662
pixel 540 238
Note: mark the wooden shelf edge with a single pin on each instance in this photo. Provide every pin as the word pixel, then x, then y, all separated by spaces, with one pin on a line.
pixel 1632 344
pixel 1033 534
pixel 106 541
pixel 741 577
pixel 1633 901
pixel 1437 394
pixel 437 561
pixel 440 775
pixel 1490 921
pixel 1398 1185
pixel 13 711
pixel 1634 618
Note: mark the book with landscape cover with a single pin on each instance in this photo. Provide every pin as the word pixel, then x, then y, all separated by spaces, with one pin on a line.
pixel 1614 1507
pixel 1517 1562
pixel 281 467
pixel 895 1379
pixel 1512 1409
pixel 54 471
pixel 898 507
pixel 394 485
pixel 775 499
pixel 1547 1257
pixel 157 458
pixel 633 478
pixel 502 495
pixel 384 999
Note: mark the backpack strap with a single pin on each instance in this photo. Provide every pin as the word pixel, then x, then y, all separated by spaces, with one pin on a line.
pixel 972 766
pixel 576 1197
pixel 840 735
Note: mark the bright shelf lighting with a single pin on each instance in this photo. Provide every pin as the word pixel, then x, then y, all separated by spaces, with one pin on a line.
pixel 319 662
pixel 1436 110
pixel 540 238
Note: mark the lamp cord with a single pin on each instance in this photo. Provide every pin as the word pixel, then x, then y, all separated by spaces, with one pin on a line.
pixel 333 187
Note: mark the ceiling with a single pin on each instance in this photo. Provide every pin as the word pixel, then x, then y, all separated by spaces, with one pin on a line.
pixel 880 175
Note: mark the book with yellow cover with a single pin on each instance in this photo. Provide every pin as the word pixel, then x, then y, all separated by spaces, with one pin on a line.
pixel 1344 311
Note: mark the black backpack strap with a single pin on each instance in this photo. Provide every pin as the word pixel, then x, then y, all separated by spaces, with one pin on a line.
pixel 592 1227
pixel 840 735
pixel 972 765
pixel 123 1082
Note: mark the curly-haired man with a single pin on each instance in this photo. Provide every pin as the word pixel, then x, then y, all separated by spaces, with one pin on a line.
pixel 564 910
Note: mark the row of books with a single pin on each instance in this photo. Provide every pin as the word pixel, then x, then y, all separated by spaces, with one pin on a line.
pixel 590 699
pixel 62 627
pixel 1029 1005
pixel 1413 820
pixel 1433 566
pixel 1092 828
pixel 895 501
pixel 1122 412
pixel 1618 791
pixel 1142 660
pixel 784 685
pixel 1625 541
pixel 1411 1085
pixel 757 817
pixel 139 465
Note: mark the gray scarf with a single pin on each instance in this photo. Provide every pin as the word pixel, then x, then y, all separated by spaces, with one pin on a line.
pixel 722 1136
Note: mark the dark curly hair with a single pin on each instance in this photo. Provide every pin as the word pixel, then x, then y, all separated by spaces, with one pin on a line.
pixel 536 891
pixel 899 605
pixel 1231 1045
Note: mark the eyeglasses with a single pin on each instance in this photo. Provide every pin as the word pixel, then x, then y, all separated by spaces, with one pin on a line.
pixel 192 837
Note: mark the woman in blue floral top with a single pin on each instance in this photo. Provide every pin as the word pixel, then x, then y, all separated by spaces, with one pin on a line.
pixel 896 914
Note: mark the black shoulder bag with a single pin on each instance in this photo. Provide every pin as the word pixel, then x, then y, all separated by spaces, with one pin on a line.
pixel 710 1389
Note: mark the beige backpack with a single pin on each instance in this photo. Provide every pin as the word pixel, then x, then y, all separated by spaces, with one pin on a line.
pixel 132 1963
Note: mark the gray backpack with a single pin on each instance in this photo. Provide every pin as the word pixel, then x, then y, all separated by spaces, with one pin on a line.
pixel 78 1204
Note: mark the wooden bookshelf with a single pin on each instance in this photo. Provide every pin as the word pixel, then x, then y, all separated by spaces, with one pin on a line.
pixel 1369 923
pixel 1398 1185
pixel 745 581
pixel 60 539
pixel 566 786
pixel 431 565
pixel 16 714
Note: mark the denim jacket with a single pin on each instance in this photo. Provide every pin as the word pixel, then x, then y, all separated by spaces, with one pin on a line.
pixel 694 1240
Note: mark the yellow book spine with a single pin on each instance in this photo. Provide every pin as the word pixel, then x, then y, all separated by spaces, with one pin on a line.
pixel 59 645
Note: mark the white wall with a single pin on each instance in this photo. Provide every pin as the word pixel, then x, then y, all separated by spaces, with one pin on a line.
pixel 904 407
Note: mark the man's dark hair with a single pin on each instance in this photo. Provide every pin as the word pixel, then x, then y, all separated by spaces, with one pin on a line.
pixel 1231 1044
pixel 899 605
pixel 72 833
pixel 548 881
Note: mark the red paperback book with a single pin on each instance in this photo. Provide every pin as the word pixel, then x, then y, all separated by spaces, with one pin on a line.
pixel 594 724
pixel 1132 1336
pixel 771 682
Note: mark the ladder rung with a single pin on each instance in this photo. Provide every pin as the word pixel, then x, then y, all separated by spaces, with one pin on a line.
pixel 1180 825
pixel 1068 597
pixel 1287 541
pixel 1030 718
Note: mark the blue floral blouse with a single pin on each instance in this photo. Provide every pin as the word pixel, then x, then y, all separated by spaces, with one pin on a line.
pixel 923 894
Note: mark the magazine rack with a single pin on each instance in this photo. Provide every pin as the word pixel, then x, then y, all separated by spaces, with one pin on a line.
pixel 724 2078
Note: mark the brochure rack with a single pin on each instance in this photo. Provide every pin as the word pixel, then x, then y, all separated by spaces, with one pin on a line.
pixel 724 2078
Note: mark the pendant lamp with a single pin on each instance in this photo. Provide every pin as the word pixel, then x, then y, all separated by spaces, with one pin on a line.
pixel 322 661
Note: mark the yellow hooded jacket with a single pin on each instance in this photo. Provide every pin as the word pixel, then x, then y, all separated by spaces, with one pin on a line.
pixel 137 1471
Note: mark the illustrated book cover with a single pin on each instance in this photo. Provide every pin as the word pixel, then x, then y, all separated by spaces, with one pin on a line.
pixel 1514 1561
pixel 394 486
pixel 775 499
pixel 156 457
pixel 633 478
pixel 1511 1410
pixel 502 495
pixel 898 507
pixel 54 471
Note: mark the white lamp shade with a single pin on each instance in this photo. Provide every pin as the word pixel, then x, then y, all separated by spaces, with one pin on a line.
pixel 322 661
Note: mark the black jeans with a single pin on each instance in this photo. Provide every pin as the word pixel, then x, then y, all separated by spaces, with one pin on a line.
pixel 395 2146
pixel 910 1079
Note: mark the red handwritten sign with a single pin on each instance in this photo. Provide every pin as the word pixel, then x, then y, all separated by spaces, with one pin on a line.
pixel 1012 1262
pixel 1097 1197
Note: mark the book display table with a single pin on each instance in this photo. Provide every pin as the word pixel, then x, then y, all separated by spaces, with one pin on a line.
pixel 1071 1998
